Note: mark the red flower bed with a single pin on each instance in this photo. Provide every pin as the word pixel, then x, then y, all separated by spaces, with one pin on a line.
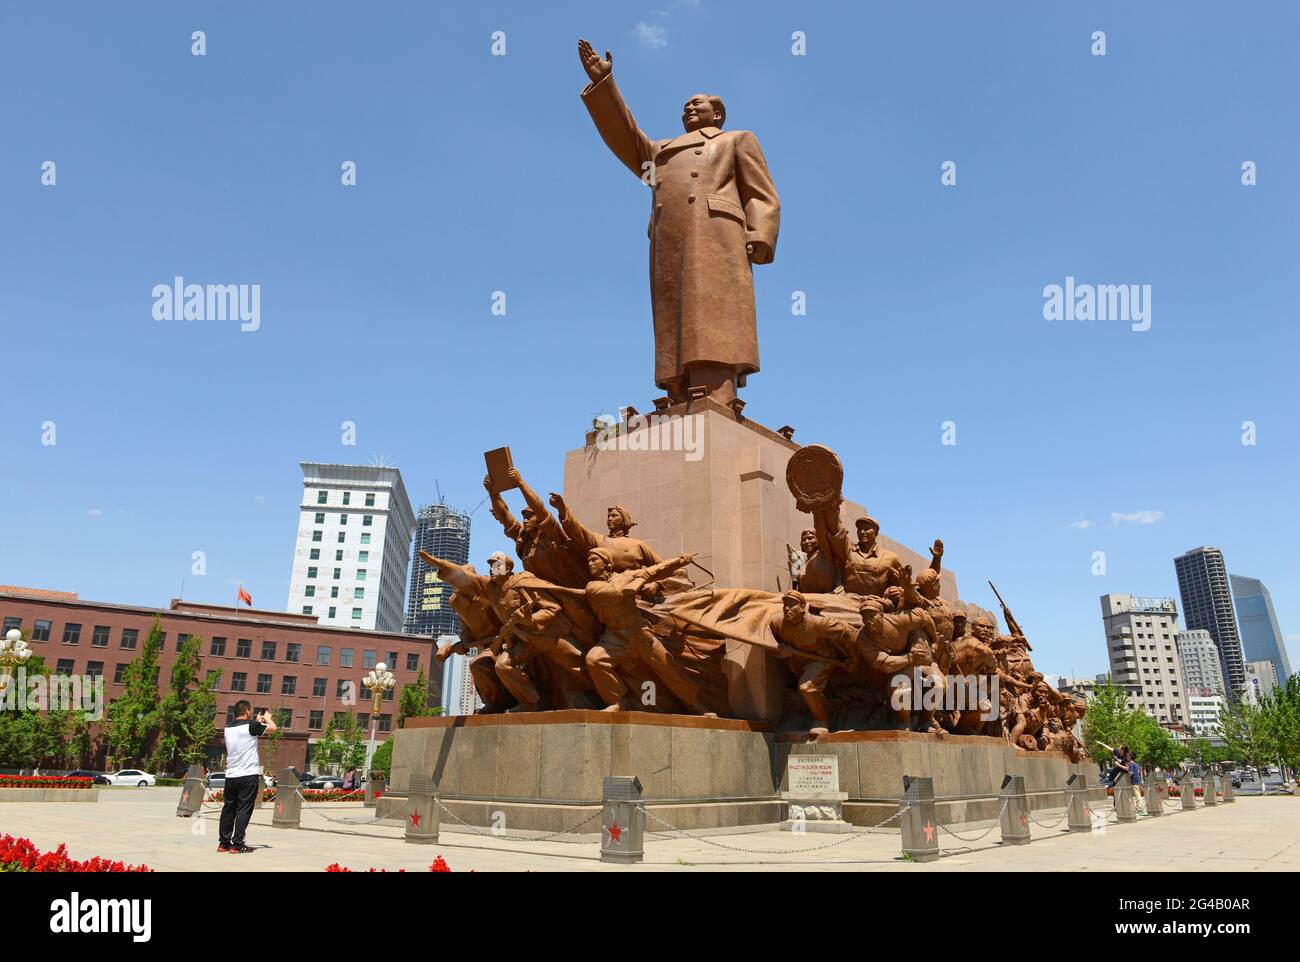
pixel 439 865
pixel 312 795
pixel 20 855
pixel 45 781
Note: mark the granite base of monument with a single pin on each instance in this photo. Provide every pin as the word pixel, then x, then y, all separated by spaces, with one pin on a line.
pixel 543 772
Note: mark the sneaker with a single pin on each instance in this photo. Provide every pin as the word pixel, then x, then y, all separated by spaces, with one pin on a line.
pixel 223 847
pixel 240 849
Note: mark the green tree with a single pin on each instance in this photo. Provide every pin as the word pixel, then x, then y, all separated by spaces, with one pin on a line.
pixel 328 748
pixel 133 715
pixel 414 701
pixel 1247 733
pixel 187 713
pixel 353 753
pixel 30 737
pixel 383 760
pixel 1109 721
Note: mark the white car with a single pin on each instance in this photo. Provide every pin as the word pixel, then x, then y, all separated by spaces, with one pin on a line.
pixel 132 776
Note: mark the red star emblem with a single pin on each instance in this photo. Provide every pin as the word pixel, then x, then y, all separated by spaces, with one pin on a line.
pixel 185 796
pixel 1085 810
pixel 415 819
pixel 929 832
pixel 615 832
pixel 1024 820
pixel 279 808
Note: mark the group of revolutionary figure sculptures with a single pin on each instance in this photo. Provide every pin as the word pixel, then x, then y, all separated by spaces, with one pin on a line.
pixel 601 620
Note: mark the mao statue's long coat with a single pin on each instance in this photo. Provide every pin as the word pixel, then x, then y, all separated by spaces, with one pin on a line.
pixel 712 195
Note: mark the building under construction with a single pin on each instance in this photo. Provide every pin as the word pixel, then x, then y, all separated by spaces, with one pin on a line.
pixel 444 533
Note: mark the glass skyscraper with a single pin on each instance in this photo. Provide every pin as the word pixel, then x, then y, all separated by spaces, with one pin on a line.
pixel 1261 637
pixel 1207 603
pixel 444 533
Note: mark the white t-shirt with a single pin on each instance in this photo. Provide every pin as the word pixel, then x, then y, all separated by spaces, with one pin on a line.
pixel 241 748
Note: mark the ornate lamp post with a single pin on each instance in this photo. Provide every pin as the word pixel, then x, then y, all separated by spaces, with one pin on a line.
pixel 14 651
pixel 380 681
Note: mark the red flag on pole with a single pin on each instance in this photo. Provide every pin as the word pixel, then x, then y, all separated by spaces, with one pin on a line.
pixel 244 596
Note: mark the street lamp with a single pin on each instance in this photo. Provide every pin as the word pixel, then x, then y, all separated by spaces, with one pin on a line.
pixel 380 681
pixel 14 651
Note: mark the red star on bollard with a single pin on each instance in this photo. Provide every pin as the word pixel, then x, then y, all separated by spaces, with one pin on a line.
pixel 279 808
pixel 415 819
pixel 615 833
pixel 1024 822
pixel 185 797
pixel 929 832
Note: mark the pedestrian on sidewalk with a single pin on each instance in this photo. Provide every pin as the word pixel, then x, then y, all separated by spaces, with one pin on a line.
pixel 243 775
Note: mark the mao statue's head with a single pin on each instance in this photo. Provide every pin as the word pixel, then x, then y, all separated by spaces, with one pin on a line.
pixel 703 110
pixel 500 565
pixel 808 541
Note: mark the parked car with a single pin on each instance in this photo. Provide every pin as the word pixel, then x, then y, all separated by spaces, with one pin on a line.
pixel 1236 780
pixel 216 781
pixel 99 777
pixel 325 781
pixel 132 776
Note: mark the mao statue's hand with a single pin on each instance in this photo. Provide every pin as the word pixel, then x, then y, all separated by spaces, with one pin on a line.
pixel 557 502
pixel 596 68
pixel 758 252
pixel 936 550
pixel 514 475
pixel 487 483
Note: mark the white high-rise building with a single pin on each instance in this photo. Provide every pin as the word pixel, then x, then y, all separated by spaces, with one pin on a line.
pixel 459 696
pixel 1140 640
pixel 1203 708
pixel 353 548
pixel 1199 656
pixel 1266 674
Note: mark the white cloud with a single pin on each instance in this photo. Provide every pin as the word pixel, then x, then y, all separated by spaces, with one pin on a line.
pixel 94 513
pixel 260 498
pixel 650 34
pixel 1136 517
pixel 1082 524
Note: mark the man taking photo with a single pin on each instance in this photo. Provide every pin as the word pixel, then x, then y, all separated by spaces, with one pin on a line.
pixel 243 775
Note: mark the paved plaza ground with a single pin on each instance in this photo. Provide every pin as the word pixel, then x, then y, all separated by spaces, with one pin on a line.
pixel 140 825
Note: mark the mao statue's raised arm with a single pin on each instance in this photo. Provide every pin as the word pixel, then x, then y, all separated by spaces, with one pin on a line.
pixel 714 212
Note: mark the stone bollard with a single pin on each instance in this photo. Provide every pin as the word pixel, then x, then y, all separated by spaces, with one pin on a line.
pixel 288 800
pixel 1076 794
pixel 1157 792
pixel 622 820
pixel 192 793
pixel 1015 811
pixel 1187 791
pixel 1228 795
pixel 919 822
pixel 1125 808
pixel 422 818
pixel 375 787
pixel 1210 796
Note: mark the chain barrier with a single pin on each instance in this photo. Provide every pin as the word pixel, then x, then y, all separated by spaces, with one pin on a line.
pixel 369 820
pixel 996 822
pixel 479 830
pixel 846 837
pixel 1064 814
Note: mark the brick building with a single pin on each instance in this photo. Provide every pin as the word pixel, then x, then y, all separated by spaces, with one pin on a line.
pixel 280 661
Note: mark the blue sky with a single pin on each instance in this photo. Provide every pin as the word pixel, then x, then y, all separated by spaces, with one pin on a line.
pixel 479 173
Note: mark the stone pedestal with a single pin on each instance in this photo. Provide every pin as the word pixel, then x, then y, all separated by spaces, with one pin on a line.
pixel 813 797
pixel 707 480
pixel 544 772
